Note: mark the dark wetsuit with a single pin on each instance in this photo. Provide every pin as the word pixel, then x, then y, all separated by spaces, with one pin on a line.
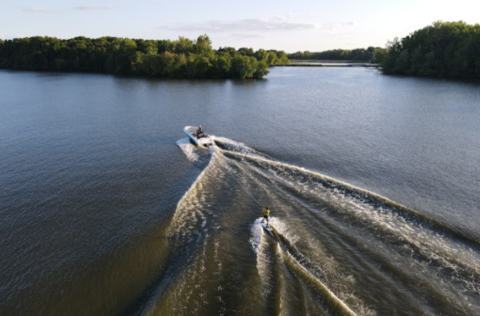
pixel 200 133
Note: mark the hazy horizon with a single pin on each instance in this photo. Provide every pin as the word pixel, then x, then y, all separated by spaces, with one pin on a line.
pixel 308 25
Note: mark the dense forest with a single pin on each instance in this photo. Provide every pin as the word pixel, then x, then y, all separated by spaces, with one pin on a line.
pixel 183 58
pixel 443 49
pixel 372 54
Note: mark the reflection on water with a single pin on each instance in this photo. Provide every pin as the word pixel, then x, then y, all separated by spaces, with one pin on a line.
pixel 107 210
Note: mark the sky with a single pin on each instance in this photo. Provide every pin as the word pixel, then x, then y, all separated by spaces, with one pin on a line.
pixel 302 25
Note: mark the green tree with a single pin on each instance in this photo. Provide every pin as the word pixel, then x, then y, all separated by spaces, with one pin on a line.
pixel 152 65
pixel 445 49
pixel 271 58
pixel 182 58
pixel 179 68
pixel 203 45
pixel 261 54
pixel 221 67
pixel 243 67
pixel 230 51
pixel 183 45
pixel 244 51
pixel 202 67
pixel 239 68
pixel 261 70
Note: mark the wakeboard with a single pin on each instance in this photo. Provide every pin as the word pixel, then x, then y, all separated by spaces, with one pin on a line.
pixel 264 225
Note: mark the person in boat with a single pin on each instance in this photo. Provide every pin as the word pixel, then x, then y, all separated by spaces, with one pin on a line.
pixel 266 214
pixel 200 132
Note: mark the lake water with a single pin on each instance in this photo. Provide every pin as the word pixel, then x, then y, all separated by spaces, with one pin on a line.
pixel 373 183
pixel 327 63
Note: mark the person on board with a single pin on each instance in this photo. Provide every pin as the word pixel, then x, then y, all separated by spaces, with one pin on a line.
pixel 266 214
pixel 199 132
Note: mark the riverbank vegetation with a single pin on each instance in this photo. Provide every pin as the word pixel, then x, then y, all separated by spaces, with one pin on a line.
pixel 443 49
pixel 183 58
pixel 371 54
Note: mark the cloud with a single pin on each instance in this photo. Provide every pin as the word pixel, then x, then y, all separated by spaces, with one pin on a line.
pixel 251 28
pixel 335 27
pixel 247 36
pixel 277 24
pixel 36 10
pixel 95 7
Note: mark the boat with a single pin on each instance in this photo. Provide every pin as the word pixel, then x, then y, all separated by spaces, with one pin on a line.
pixel 205 141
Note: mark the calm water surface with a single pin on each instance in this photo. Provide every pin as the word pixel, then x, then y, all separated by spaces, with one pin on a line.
pixel 373 182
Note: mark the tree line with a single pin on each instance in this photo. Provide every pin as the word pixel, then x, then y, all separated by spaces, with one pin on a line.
pixel 182 58
pixel 443 49
pixel 371 54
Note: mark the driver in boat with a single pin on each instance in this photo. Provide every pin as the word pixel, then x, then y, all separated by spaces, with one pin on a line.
pixel 266 214
pixel 199 132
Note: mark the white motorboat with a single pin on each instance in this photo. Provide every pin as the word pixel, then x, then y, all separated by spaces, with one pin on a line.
pixel 204 141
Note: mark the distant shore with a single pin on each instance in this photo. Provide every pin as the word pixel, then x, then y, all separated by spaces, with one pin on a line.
pixel 329 65
pixel 325 61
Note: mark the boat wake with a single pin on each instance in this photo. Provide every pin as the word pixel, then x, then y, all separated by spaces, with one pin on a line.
pixel 334 249
pixel 199 156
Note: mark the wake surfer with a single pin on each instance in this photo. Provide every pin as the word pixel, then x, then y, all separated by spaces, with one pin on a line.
pixel 266 214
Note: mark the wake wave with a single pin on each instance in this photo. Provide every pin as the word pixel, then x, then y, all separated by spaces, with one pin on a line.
pixel 332 240
pixel 296 263
pixel 200 157
pixel 233 146
pixel 379 223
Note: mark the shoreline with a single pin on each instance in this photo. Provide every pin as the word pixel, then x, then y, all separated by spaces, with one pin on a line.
pixel 327 65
